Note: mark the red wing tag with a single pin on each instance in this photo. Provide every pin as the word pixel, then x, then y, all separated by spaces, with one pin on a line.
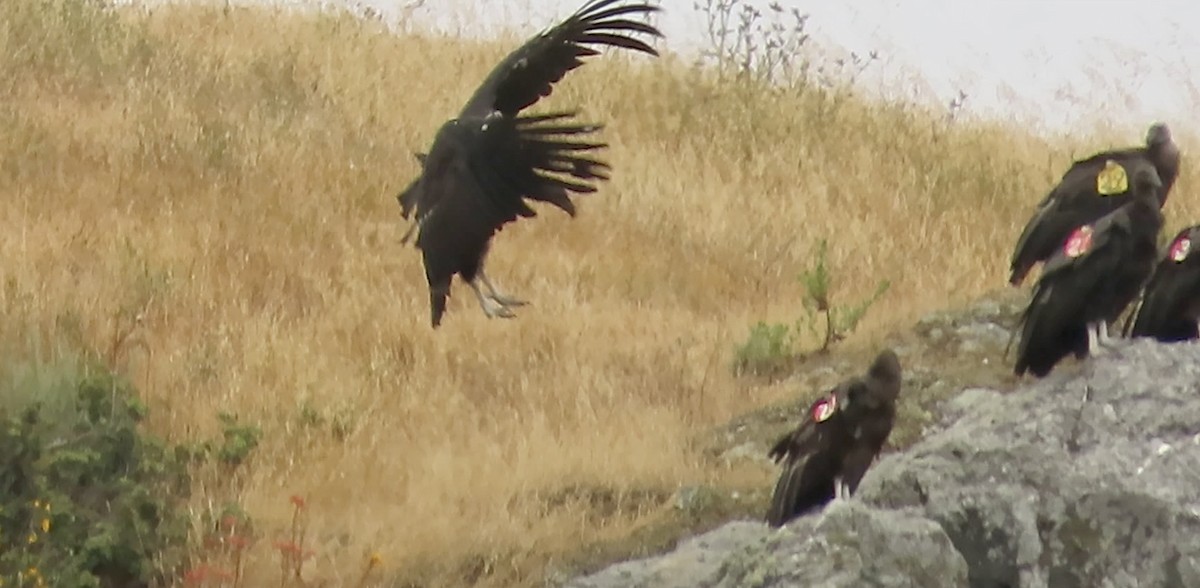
pixel 824 409
pixel 1180 249
pixel 1079 242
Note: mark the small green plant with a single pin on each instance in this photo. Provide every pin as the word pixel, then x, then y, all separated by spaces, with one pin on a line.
pixel 770 348
pixel 238 441
pixel 839 321
pixel 338 422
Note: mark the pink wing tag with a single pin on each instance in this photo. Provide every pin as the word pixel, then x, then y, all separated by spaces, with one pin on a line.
pixel 1079 242
pixel 824 409
pixel 1180 249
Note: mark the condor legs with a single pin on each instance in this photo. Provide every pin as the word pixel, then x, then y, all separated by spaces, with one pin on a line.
pixel 491 307
pixel 412 230
pixel 504 299
pixel 495 304
pixel 1098 339
pixel 841 490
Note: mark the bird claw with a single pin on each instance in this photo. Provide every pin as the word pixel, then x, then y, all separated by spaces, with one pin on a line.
pixel 497 309
pixel 505 300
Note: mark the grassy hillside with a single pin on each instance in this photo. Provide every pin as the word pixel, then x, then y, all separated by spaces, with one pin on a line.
pixel 205 198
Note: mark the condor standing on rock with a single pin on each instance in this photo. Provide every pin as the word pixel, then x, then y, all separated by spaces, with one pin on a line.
pixel 1092 278
pixel 1170 308
pixel 484 163
pixel 843 432
pixel 1092 188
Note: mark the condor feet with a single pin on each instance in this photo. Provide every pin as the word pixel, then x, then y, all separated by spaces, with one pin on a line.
pixel 1099 340
pixel 507 301
pixel 495 304
pixel 494 308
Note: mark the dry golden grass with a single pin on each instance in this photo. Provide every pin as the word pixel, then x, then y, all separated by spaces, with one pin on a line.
pixel 228 178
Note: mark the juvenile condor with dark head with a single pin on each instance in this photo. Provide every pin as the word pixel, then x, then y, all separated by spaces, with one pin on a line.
pixel 839 438
pixel 487 161
pixel 1090 280
pixel 1090 189
pixel 1170 309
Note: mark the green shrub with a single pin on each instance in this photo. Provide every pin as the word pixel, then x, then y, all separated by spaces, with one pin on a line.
pixel 86 498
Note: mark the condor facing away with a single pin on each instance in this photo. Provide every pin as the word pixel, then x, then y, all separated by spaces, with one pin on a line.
pixel 1170 306
pixel 843 432
pixel 485 163
pixel 1091 279
pixel 1090 189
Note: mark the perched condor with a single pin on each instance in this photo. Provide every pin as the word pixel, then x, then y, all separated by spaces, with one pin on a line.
pixel 487 161
pixel 1170 305
pixel 843 432
pixel 1090 280
pixel 1090 189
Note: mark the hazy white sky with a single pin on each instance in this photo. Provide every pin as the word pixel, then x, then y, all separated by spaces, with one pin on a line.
pixel 1052 63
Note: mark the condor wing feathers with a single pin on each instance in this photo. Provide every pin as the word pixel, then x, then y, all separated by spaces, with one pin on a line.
pixel 803 440
pixel 1171 303
pixel 809 465
pixel 528 74
pixel 1075 200
pixel 482 170
pixel 1102 232
pixel 809 469
pixel 536 157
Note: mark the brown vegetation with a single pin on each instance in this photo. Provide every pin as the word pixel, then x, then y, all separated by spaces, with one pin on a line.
pixel 207 197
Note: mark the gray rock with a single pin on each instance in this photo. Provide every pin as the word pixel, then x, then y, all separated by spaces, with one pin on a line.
pixel 695 563
pixel 987 310
pixel 847 545
pixel 936 335
pixel 970 399
pixel 1039 488
pixel 976 337
pixel 1088 478
pixel 748 451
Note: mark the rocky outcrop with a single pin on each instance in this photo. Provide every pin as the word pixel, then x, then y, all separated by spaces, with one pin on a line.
pixel 850 545
pixel 1089 478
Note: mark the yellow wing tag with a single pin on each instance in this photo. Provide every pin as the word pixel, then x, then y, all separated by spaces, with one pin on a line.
pixel 1112 179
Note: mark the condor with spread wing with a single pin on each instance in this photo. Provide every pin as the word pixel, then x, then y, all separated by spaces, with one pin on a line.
pixel 485 163
pixel 829 453
pixel 1170 308
pixel 1091 279
pixel 1090 189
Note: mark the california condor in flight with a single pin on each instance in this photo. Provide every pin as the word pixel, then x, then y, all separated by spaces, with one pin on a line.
pixel 485 163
